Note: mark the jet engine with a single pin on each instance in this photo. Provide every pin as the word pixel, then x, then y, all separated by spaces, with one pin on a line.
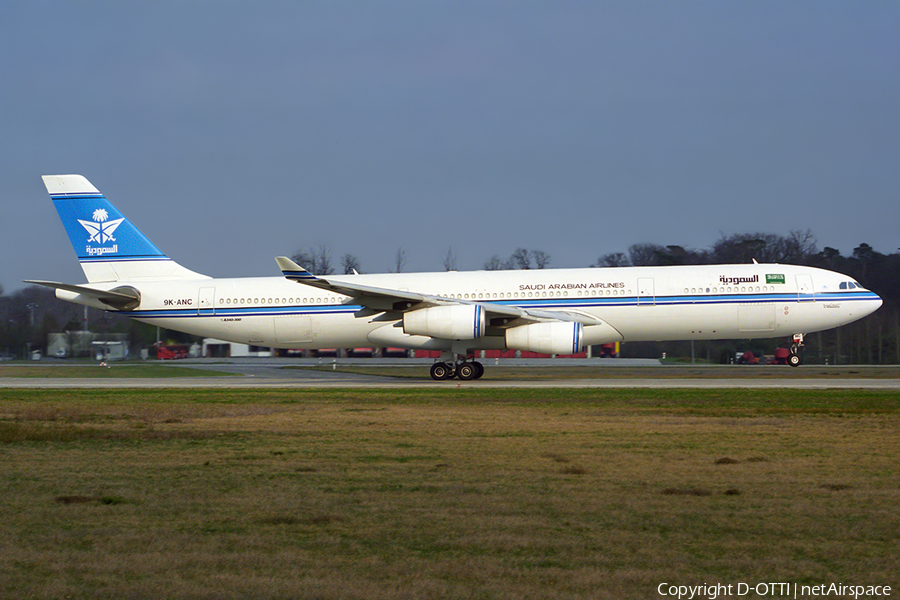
pixel 452 322
pixel 548 338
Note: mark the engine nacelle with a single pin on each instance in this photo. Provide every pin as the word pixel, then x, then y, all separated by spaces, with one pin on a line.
pixel 548 338
pixel 452 322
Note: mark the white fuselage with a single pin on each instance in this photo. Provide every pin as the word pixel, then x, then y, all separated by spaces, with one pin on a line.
pixel 636 303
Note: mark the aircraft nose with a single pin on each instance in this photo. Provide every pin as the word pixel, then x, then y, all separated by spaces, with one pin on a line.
pixel 873 304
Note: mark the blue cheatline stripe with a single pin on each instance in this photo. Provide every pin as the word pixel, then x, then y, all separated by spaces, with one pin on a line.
pixel 545 303
pixel 76 196
pixel 685 300
pixel 270 311
pixel 131 258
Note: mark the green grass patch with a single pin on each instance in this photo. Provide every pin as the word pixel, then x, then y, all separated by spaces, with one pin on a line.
pixel 711 402
pixel 442 492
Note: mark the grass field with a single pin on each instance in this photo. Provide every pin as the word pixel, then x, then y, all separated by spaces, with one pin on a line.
pixel 443 493
pixel 125 370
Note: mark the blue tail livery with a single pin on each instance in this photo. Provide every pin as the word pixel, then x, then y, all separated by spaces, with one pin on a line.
pixel 108 246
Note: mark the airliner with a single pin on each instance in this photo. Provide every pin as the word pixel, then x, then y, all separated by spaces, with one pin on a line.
pixel 553 311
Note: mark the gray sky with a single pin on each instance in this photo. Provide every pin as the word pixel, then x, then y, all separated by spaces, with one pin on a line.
pixel 231 132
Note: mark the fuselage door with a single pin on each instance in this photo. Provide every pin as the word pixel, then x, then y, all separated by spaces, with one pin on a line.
pixel 646 294
pixel 805 288
pixel 206 302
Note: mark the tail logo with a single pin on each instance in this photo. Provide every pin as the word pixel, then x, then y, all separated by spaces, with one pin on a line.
pixel 100 229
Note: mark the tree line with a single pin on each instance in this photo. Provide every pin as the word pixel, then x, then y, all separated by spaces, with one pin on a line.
pixel 28 315
pixel 318 261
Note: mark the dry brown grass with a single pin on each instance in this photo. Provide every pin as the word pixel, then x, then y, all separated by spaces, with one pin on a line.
pixel 234 495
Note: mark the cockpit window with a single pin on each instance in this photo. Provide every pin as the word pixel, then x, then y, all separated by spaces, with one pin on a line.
pixel 850 285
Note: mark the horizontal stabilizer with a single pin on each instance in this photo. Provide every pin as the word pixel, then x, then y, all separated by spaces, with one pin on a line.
pixel 120 298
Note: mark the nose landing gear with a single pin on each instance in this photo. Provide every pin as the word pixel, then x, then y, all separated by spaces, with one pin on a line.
pixel 795 359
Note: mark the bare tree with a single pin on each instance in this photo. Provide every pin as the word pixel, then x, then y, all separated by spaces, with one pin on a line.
pixel 613 259
pixel 449 260
pixel 541 258
pixel 797 248
pixel 317 262
pixel 521 258
pixel 350 264
pixel 643 255
pixel 495 263
pixel 400 260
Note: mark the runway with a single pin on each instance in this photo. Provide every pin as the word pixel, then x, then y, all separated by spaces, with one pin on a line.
pixel 262 373
pixel 347 382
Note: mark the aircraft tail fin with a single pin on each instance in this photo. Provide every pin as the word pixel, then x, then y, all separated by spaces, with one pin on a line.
pixel 108 246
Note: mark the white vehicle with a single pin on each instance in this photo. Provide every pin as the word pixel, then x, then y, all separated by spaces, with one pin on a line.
pixel 555 311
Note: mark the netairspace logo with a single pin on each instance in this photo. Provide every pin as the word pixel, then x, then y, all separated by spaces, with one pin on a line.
pixel 772 589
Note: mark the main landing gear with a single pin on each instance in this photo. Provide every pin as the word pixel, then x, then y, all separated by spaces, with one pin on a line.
pixel 464 370
pixel 795 359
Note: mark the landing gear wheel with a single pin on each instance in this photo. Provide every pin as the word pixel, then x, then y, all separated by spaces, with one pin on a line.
pixel 467 371
pixel 795 360
pixel 479 369
pixel 441 371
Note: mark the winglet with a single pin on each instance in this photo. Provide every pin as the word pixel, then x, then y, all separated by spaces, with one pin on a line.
pixel 293 271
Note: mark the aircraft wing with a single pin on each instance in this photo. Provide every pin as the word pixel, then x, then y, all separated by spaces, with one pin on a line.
pixel 383 301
